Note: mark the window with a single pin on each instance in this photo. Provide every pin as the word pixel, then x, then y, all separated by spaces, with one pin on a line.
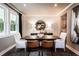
pixel 9 21
pixel 13 22
pixel 1 19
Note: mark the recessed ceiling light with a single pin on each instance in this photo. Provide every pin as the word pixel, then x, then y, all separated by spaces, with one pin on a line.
pixel 55 4
pixel 24 5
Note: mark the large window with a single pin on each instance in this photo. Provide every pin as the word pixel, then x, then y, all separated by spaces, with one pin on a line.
pixel 1 19
pixel 9 21
pixel 13 22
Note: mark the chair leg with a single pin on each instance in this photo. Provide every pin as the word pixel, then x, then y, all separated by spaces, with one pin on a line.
pixel 15 49
pixel 64 49
pixel 25 49
pixel 55 49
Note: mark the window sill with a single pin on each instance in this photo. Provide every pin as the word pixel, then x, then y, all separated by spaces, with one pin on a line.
pixel 13 32
pixel 3 35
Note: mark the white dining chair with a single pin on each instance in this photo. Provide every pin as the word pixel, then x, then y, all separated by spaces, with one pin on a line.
pixel 61 43
pixel 20 43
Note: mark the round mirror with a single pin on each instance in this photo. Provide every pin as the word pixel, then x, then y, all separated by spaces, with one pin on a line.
pixel 40 25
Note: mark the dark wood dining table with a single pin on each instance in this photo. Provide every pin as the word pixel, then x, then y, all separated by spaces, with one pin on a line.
pixel 41 39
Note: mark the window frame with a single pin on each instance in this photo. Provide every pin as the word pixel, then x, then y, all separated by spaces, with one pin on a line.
pixel 17 21
pixel 7 31
pixel 4 19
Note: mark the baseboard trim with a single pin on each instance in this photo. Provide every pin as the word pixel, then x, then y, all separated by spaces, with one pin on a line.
pixel 6 50
pixel 72 49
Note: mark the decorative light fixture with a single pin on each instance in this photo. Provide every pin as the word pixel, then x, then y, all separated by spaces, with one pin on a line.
pixel 24 5
pixel 55 4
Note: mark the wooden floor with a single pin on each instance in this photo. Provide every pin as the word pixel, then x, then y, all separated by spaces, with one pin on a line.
pixel 38 52
pixel 73 45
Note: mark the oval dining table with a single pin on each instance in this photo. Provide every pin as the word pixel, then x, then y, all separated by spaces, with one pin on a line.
pixel 40 40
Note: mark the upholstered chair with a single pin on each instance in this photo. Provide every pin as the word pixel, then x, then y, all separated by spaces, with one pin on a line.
pixel 47 43
pixel 33 43
pixel 61 43
pixel 20 43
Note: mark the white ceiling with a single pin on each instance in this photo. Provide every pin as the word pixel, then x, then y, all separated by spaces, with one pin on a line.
pixel 40 8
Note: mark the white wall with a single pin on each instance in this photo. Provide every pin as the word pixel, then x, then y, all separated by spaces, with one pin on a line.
pixel 6 42
pixel 52 23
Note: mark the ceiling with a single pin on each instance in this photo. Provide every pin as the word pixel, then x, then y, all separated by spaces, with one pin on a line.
pixel 40 8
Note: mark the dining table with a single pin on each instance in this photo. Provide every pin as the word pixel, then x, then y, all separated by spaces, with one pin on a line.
pixel 53 38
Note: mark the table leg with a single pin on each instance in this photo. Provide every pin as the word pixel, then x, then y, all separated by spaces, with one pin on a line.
pixel 53 45
pixel 40 49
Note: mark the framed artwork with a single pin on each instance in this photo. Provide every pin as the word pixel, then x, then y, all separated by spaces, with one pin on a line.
pixel 75 25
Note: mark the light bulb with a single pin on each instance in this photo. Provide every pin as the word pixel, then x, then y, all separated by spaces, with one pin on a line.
pixel 55 5
pixel 24 5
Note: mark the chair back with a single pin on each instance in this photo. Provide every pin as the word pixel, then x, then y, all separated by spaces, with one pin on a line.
pixel 63 35
pixel 17 36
